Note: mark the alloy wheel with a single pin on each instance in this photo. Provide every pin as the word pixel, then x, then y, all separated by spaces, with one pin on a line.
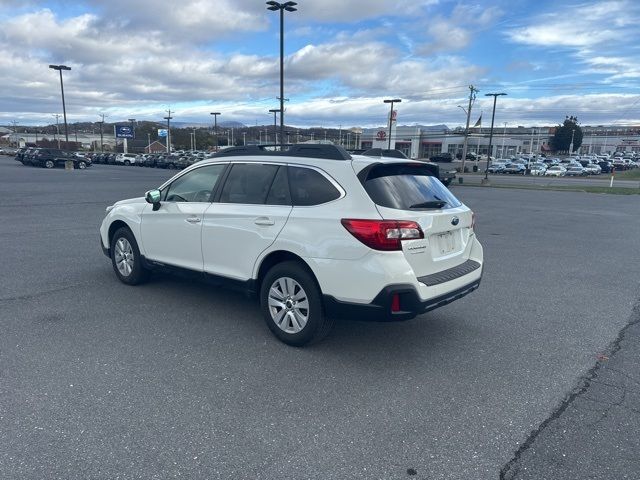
pixel 288 305
pixel 124 257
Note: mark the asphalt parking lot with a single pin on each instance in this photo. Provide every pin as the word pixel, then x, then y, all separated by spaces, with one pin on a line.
pixel 181 379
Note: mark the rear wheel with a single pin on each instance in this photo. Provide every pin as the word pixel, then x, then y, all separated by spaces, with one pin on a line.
pixel 49 164
pixel 291 304
pixel 126 259
pixel 127 163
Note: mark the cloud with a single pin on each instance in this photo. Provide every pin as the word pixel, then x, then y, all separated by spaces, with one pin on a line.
pixel 595 34
pixel 356 10
pixel 448 34
pixel 582 25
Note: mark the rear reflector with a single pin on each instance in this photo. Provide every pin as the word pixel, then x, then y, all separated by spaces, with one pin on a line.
pixel 395 302
pixel 383 234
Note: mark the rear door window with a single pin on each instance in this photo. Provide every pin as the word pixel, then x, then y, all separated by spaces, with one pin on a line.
pixel 248 183
pixel 407 187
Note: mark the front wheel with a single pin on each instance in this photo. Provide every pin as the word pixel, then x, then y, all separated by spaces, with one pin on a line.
pixel 126 259
pixel 82 164
pixel 291 304
pixel 127 163
pixel 49 164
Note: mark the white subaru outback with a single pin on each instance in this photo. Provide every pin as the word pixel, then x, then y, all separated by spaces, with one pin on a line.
pixel 314 232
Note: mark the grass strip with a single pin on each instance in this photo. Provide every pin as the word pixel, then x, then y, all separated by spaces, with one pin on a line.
pixel 566 188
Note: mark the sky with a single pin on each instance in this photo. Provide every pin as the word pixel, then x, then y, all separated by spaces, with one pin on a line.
pixel 139 58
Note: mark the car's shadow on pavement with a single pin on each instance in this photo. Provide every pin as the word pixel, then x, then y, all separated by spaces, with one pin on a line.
pixel 239 315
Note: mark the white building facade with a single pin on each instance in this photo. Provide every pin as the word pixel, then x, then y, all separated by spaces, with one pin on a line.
pixel 426 141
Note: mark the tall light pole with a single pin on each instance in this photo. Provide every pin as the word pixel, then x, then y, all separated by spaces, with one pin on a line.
pixel 391 101
pixel 60 68
pixel 275 111
pixel 168 119
pixel 289 7
pixel 493 115
pixel 215 127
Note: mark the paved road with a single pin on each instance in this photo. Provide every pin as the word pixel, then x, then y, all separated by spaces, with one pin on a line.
pixel 174 378
pixel 594 433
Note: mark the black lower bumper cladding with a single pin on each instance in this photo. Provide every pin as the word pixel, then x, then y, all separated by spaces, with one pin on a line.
pixel 379 310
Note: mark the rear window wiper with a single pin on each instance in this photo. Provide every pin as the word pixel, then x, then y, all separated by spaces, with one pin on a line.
pixel 430 204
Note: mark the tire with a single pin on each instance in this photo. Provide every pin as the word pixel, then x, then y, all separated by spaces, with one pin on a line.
pixel 127 163
pixel 49 164
pixel 82 165
pixel 126 259
pixel 285 292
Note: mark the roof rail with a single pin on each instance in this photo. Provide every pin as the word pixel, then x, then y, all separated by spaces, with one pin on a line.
pixel 327 152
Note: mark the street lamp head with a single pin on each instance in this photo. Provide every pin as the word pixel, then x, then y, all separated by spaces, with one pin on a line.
pixel 494 94
pixel 215 113
pixel 59 67
pixel 395 100
pixel 274 110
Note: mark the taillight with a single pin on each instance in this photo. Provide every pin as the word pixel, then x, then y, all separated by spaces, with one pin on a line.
pixel 383 234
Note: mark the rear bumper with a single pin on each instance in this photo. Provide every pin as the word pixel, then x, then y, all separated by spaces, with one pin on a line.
pixel 379 310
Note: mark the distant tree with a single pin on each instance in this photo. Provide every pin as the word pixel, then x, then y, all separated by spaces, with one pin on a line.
pixel 561 141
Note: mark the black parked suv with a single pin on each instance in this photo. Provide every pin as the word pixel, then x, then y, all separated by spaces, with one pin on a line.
pixel 445 176
pixel 442 157
pixel 52 157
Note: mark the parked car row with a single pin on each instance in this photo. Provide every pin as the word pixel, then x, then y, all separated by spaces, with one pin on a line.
pixel 50 158
pixel 551 166
pixel 175 160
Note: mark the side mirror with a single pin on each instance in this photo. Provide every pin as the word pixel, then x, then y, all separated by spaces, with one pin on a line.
pixel 153 197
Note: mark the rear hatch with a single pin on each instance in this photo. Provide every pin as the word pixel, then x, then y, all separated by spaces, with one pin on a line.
pixel 410 192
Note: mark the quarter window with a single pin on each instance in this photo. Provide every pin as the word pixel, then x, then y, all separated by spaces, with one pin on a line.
pixel 195 186
pixel 310 187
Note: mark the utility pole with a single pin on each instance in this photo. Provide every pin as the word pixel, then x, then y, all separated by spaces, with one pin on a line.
pixel 472 96
pixel 15 133
pixel 57 115
pixel 168 119
pixel 101 128
pixel 244 138
pixel 504 133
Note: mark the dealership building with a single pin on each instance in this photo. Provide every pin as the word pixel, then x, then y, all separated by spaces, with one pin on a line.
pixel 425 141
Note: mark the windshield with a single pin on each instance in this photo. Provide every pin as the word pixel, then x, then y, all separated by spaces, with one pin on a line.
pixel 407 187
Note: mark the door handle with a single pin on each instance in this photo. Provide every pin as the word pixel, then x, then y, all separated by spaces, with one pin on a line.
pixel 264 221
pixel 193 220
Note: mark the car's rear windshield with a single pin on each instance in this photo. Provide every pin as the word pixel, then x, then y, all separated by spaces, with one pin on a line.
pixel 407 187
